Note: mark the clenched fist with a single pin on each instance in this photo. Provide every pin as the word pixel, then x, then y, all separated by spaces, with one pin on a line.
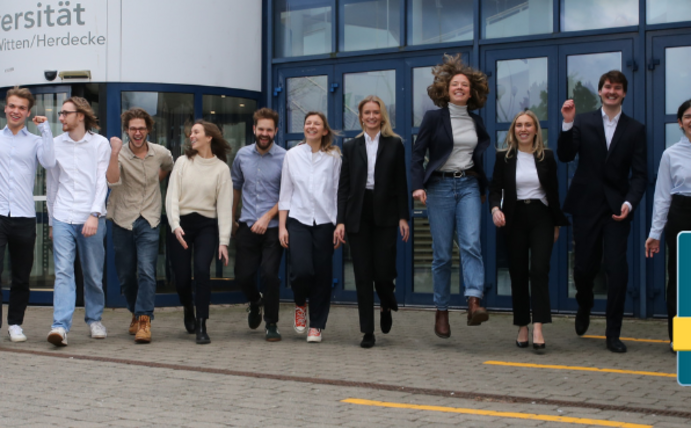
pixel 568 111
pixel 115 144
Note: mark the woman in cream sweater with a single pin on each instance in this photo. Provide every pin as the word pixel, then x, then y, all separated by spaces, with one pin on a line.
pixel 199 207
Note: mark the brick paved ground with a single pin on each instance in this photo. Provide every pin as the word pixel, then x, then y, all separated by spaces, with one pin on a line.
pixel 41 389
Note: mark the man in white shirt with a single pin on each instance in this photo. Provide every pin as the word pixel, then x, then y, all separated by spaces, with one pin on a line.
pixel 76 205
pixel 20 153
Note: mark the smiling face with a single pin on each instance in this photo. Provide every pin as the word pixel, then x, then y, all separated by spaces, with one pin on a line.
pixel 612 94
pixel 685 123
pixel 459 90
pixel 198 138
pixel 314 128
pixel 137 132
pixel 370 117
pixel 17 111
pixel 264 133
pixel 525 131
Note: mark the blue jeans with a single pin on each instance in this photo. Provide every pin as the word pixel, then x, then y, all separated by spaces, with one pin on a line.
pixel 67 240
pixel 453 204
pixel 136 252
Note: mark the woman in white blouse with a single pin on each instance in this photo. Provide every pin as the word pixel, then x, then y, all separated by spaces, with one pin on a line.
pixel 199 206
pixel 307 219
pixel 672 206
pixel 524 201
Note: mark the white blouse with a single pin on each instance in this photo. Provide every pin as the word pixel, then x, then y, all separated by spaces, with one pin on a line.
pixel 527 182
pixel 309 185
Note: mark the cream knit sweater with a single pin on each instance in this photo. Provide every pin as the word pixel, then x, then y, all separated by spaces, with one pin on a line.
pixel 201 186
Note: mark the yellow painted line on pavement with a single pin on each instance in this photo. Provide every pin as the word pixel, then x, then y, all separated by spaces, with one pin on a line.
pixel 513 415
pixel 579 368
pixel 629 339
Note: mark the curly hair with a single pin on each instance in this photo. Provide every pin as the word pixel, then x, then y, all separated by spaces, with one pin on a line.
pixel 452 66
pixel 83 107
pixel 511 141
pixel 136 113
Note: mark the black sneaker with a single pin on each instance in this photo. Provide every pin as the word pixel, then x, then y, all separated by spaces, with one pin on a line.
pixel 272 334
pixel 254 318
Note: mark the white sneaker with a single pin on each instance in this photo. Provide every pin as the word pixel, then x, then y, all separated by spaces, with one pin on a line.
pixel 314 335
pixel 16 333
pixel 98 330
pixel 58 336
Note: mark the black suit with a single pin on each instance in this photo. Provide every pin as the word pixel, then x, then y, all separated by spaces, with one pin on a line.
pixel 529 233
pixel 371 218
pixel 436 135
pixel 604 180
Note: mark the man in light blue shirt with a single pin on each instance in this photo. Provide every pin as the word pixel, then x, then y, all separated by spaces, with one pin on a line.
pixel 20 153
pixel 256 174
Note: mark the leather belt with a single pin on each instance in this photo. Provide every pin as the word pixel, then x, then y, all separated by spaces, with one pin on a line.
pixel 457 174
pixel 530 201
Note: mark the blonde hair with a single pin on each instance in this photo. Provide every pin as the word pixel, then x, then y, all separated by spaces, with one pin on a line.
pixel 511 141
pixel 385 128
pixel 328 139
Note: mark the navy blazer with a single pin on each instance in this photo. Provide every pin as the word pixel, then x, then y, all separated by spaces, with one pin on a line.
pixel 604 178
pixel 436 135
pixel 504 178
pixel 390 183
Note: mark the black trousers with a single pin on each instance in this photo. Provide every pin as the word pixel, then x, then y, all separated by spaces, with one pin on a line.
pixel 18 234
pixel 201 235
pixel 529 244
pixel 678 220
pixel 311 271
pixel 373 250
pixel 592 235
pixel 259 253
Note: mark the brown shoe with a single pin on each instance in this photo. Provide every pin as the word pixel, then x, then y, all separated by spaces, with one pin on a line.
pixel 476 313
pixel 144 331
pixel 134 325
pixel 441 324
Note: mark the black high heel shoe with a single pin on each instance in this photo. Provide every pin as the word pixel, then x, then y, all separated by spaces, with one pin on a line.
pixel 522 344
pixel 539 346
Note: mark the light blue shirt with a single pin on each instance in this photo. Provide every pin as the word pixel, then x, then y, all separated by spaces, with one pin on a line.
pixel 259 178
pixel 673 178
pixel 19 157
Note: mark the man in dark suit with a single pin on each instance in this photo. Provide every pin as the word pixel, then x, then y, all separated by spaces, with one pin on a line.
pixel 608 185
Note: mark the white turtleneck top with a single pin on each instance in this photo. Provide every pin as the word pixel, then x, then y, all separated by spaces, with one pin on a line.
pixel 464 140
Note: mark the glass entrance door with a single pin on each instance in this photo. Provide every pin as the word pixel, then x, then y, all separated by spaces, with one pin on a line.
pixel 48 102
pixel 670 64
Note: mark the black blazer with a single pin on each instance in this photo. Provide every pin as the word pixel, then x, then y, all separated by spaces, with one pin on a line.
pixel 436 135
pixel 390 183
pixel 602 177
pixel 504 178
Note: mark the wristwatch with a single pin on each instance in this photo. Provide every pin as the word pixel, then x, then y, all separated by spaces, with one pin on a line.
pixel 97 215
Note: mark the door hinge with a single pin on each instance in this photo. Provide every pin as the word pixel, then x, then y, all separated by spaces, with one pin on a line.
pixel 277 90
pixel 652 63
pixel 333 87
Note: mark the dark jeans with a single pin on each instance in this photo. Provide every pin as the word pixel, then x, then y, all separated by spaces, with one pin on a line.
pixel 529 244
pixel 201 235
pixel 311 272
pixel 259 253
pixel 592 235
pixel 136 252
pixel 18 234
pixel 373 250
pixel 678 220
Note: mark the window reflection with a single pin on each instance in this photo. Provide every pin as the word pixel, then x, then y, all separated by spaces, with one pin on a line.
pixel 510 18
pixel 303 27
pixel 357 86
pixel 521 84
pixel 422 103
pixel 583 77
pixel 579 15
pixel 371 24
pixel 677 77
pixel 440 21
pixel 304 94
pixel 664 11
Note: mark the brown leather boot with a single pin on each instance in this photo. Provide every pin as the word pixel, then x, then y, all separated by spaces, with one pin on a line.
pixel 476 313
pixel 441 324
pixel 144 331
pixel 134 325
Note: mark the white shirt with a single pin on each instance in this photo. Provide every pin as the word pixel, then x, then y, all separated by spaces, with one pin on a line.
pixel 309 189
pixel 77 184
pixel 610 126
pixel 527 182
pixel 19 155
pixel 372 146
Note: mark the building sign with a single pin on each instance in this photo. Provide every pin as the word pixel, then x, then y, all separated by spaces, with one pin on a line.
pixel 52 35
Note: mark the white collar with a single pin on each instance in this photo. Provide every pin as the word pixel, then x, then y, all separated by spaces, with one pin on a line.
pixel 616 118
pixel 369 140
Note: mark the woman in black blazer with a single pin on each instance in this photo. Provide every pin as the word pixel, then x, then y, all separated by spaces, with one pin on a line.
pixel 372 205
pixel 525 177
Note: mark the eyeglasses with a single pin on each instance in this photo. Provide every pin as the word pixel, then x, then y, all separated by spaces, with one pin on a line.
pixel 66 113
pixel 134 130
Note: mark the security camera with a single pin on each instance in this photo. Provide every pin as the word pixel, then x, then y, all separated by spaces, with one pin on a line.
pixel 50 74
